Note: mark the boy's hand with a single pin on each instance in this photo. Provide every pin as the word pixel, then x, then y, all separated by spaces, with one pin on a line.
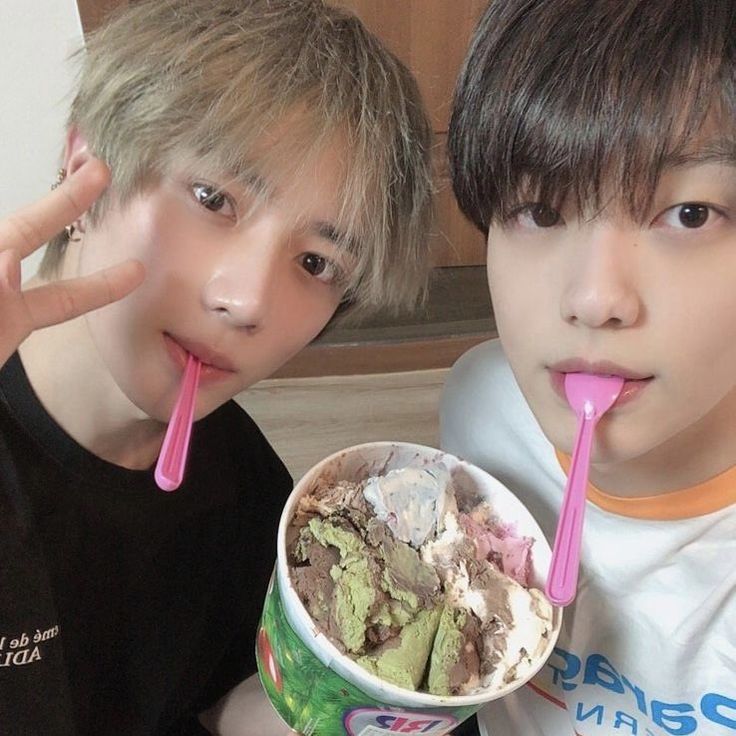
pixel 21 233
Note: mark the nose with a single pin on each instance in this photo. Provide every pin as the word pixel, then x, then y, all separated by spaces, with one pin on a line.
pixel 601 290
pixel 243 285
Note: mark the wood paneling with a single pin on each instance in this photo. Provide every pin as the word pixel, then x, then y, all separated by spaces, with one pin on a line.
pixel 379 357
pixel 429 36
pixel 454 241
pixel 93 12
pixel 307 419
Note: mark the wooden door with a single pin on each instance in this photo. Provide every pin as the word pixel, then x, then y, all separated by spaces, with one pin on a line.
pixel 431 37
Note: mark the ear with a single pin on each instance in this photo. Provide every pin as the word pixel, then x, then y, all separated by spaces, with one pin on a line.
pixel 76 150
pixel 76 154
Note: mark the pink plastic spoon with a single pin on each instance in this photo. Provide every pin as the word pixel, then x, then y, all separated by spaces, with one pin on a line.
pixel 590 397
pixel 173 456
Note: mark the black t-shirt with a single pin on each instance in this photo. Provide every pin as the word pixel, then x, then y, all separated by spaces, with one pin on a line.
pixel 125 609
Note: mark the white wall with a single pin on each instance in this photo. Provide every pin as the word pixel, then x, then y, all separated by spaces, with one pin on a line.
pixel 36 83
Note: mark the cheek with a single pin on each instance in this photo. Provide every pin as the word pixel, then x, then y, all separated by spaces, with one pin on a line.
pixel 319 315
pixel 523 301
pixel 703 363
pixel 296 315
pixel 507 311
pixel 177 266
pixel 692 323
pixel 152 230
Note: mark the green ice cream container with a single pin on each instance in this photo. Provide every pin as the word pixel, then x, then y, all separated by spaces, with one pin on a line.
pixel 315 688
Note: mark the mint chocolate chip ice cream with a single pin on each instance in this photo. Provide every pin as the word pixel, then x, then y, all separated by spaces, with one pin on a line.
pixel 420 589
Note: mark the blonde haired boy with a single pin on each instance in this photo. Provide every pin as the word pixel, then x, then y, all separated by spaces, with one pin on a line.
pixel 268 167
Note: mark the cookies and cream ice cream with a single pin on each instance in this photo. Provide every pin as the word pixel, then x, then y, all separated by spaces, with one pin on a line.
pixel 422 589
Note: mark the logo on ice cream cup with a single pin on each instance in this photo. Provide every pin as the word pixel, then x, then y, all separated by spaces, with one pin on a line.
pixel 378 722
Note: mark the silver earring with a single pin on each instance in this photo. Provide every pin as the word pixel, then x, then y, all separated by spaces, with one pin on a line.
pixel 72 234
pixel 70 230
pixel 60 176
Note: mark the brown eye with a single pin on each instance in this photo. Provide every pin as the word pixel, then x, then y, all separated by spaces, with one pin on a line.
pixel 693 215
pixel 323 269
pixel 210 197
pixel 314 264
pixel 543 216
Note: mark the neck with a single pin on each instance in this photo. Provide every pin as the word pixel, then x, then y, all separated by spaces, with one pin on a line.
pixel 78 391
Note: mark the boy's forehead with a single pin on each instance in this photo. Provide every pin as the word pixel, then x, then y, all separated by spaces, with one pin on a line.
pixel 272 162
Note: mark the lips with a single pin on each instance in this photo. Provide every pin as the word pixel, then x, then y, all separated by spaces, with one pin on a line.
pixel 214 364
pixel 634 381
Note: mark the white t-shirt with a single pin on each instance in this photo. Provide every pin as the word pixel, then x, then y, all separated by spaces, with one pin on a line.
pixel 648 648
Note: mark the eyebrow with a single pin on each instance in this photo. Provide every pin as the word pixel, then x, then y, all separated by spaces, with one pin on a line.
pixel 329 231
pixel 715 151
pixel 254 181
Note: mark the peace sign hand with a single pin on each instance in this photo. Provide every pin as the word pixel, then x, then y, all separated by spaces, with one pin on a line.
pixel 23 232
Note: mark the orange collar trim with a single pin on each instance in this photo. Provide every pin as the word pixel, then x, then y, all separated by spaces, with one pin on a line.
pixel 705 498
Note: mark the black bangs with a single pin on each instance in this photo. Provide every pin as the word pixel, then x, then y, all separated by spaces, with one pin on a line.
pixel 586 100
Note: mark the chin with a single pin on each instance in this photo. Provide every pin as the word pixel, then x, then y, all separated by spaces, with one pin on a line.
pixel 151 406
pixel 559 427
pixel 614 450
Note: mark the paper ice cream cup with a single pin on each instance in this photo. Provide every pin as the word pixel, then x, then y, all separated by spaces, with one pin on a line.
pixel 318 690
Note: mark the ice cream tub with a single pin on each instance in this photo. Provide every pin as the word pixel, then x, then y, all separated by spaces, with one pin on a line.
pixel 318 689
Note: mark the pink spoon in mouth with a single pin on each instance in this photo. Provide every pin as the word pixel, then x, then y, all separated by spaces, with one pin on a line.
pixel 173 456
pixel 590 397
